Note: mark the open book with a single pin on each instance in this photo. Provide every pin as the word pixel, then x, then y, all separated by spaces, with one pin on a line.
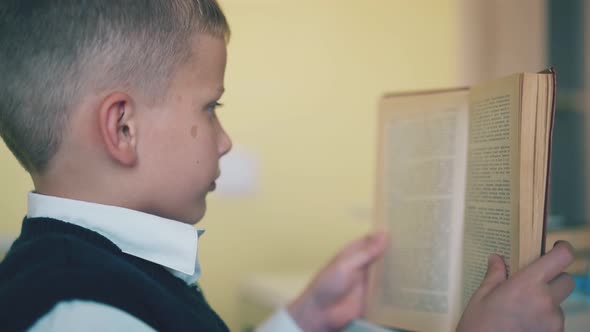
pixel 461 174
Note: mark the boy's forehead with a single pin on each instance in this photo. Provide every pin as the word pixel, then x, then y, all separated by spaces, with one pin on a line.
pixel 205 70
pixel 204 45
pixel 209 57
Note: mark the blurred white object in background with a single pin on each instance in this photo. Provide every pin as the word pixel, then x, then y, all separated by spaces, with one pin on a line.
pixel 239 173
pixel 5 243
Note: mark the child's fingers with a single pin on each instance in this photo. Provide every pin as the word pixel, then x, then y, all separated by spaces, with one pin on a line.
pixel 495 275
pixel 551 265
pixel 356 245
pixel 561 287
pixel 362 242
pixel 365 252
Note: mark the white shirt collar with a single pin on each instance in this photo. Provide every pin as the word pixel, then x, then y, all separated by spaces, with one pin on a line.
pixel 166 242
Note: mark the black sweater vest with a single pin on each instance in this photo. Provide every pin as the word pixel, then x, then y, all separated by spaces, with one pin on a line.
pixel 53 261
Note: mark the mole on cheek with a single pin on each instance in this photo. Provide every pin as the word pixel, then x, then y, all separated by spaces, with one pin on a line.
pixel 194 131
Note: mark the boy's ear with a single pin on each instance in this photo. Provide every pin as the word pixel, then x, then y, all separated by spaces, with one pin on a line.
pixel 117 122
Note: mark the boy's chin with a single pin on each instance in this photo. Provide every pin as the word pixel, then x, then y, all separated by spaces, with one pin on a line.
pixel 198 214
pixel 192 220
pixel 191 217
pixel 191 214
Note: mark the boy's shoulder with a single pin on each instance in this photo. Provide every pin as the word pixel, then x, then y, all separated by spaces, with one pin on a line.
pixel 64 264
pixel 52 251
pixel 43 269
pixel 63 253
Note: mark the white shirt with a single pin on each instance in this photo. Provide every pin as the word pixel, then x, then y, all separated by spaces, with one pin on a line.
pixel 169 243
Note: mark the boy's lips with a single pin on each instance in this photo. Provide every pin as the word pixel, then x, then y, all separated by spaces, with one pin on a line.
pixel 213 184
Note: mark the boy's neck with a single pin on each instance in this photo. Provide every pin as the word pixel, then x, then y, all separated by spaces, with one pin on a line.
pixel 84 188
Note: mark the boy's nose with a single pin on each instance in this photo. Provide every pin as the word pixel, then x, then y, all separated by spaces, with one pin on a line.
pixel 225 143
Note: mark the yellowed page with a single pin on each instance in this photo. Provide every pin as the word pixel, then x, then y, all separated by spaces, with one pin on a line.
pixel 491 202
pixel 420 194
pixel 531 231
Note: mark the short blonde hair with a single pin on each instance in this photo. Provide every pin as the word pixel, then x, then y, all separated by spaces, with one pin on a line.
pixel 55 52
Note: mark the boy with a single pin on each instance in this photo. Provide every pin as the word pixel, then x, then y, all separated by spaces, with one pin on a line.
pixel 110 106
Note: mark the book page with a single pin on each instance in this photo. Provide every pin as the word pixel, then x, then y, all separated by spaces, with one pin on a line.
pixel 540 114
pixel 420 199
pixel 491 202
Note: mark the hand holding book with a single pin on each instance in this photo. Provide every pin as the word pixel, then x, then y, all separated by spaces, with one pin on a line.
pixel 528 301
pixel 337 294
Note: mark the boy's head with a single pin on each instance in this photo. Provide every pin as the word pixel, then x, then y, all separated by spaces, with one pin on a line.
pixel 112 101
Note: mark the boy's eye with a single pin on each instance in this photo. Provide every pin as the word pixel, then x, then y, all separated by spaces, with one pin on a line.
pixel 213 106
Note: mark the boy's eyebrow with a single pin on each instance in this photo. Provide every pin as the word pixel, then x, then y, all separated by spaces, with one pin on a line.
pixel 219 91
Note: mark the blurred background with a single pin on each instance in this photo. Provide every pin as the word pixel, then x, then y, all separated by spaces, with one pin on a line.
pixel 303 81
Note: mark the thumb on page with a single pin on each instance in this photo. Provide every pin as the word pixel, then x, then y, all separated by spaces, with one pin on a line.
pixel 496 275
pixel 366 251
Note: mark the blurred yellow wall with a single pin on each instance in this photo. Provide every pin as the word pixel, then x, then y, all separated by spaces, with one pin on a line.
pixel 303 81
pixel 14 185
